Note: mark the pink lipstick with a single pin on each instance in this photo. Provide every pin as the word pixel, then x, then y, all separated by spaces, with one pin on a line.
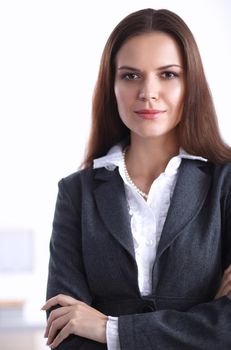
pixel 149 113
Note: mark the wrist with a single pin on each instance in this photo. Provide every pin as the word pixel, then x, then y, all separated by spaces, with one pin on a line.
pixel 103 335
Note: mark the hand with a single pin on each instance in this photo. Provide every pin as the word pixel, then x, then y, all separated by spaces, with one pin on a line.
pixel 225 287
pixel 73 317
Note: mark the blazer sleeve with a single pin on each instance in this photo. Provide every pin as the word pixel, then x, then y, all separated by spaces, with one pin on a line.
pixel 203 327
pixel 66 270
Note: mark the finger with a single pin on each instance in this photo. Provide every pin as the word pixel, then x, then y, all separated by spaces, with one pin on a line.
pixel 63 334
pixel 227 289
pixel 228 269
pixel 61 299
pixel 226 279
pixel 54 315
pixel 56 326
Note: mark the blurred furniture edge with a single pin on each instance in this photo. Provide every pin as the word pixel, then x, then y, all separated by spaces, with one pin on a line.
pixel 11 304
pixel 12 317
pixel 11 312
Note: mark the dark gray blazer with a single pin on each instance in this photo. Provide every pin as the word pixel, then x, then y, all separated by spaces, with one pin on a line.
pixel 92 259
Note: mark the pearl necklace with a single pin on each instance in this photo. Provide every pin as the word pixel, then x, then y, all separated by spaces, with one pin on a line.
pixel 143 194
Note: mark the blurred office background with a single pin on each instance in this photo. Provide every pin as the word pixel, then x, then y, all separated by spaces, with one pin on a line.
pixel 49 57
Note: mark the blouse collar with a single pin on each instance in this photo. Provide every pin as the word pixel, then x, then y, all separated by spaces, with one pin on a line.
pixel 114 158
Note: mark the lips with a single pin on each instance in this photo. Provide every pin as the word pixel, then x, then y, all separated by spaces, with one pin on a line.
pixel 149 113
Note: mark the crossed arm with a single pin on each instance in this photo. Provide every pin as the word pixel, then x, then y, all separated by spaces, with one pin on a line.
pixel 78 318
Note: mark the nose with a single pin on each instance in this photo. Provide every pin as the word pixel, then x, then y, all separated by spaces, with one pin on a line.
pixel 149 90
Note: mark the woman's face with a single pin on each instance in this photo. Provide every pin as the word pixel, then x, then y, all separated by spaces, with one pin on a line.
pixel 149 85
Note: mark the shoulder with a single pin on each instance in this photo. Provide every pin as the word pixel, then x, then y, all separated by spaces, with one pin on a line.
pixel 78 177
pixel 214 169
pixel 217 175
pixel 222 171
pixel 77 183
pixel 221 176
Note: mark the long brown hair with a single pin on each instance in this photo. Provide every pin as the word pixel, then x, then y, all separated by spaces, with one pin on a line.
pixel 198 129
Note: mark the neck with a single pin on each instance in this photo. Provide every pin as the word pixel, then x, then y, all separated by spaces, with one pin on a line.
pixel 148 158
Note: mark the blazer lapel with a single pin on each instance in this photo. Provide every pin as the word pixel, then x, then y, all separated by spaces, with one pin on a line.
pixel 112 205
pixel 188 197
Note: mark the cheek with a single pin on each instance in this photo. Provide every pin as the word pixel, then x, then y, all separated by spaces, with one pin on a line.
pixel 123 97
pixel 176 97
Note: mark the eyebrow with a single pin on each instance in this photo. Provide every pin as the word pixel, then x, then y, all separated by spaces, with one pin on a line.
pixel 159 68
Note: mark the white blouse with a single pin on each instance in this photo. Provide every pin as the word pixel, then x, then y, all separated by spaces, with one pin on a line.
pixel 147 220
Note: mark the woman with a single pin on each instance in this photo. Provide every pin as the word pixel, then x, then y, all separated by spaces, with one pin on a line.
pixel 141 236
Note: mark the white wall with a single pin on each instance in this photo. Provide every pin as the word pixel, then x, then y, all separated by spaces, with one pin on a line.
pixel 50 51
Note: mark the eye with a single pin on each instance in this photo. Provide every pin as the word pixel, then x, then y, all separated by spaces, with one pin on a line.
pixel 169 75
pixel 130 76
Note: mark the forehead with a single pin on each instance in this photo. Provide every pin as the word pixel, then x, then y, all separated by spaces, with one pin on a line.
pixel 156 48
